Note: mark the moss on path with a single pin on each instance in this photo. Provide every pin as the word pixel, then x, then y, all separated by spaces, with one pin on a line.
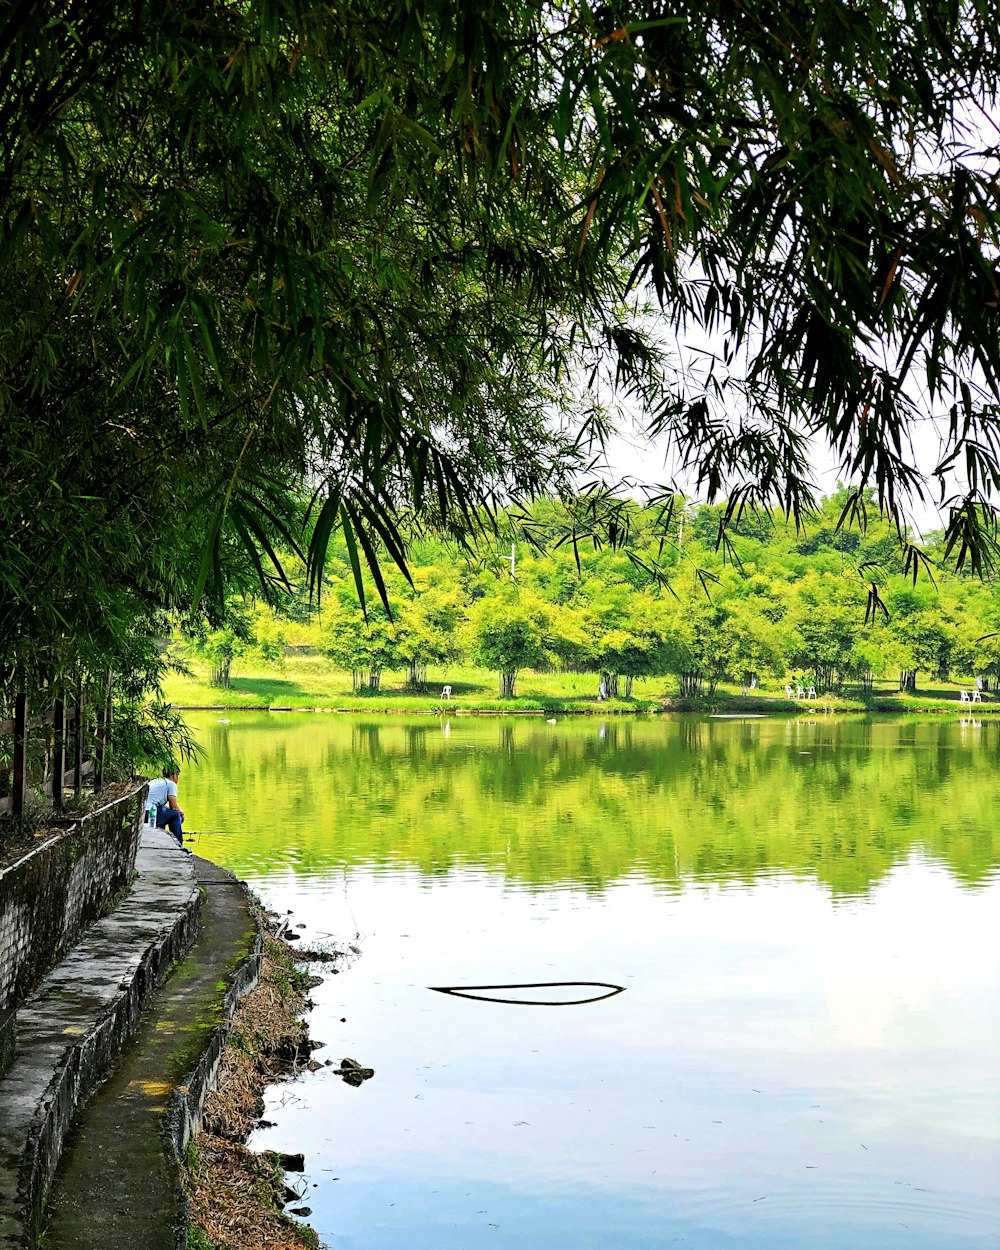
pixel 118 1183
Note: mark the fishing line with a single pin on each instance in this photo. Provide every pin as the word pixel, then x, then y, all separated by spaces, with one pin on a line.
pixel 189 836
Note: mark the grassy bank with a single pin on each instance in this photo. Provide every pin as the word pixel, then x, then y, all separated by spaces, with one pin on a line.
pixel 235 1196
pixel 311 682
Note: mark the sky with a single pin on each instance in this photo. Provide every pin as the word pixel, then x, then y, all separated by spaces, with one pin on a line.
pixel 631 455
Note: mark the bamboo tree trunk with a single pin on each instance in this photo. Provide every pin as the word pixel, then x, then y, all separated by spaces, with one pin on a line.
pixel 103 752
pixel 691 684
pixel 221 672
pixel 610 684
pixel 508 677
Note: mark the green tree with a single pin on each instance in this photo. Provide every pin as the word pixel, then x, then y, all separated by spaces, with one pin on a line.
pixel 326 260
pixel 428 631
pixel 363 645
pixel 869 657
pixel 753 645
pixel 695 640
pixel 625 632
pixel 243 628
pixel 507 632
pixel 922 633
pixel 825 617
pixel 977 650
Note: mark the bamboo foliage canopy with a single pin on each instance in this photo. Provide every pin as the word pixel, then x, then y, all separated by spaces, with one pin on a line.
pixel 268 270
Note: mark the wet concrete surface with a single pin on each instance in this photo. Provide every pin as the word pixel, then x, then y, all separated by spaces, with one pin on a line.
pixel 117 1184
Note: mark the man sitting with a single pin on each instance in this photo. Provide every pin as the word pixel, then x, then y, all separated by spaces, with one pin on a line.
pixel 163 794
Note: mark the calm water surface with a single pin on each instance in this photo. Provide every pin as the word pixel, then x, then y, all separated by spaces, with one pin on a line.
pixel 804 915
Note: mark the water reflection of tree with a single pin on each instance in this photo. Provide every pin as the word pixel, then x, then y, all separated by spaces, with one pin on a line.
pixel 693 734
pixel 366 738
pixel 416 740
pixel 842 802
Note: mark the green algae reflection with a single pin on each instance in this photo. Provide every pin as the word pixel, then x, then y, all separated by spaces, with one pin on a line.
pixel 586 802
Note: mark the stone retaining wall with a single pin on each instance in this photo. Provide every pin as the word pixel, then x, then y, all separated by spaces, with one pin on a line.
pixel 49 896
pixel 7 1023
pixel 72 1029
pixel 88 1062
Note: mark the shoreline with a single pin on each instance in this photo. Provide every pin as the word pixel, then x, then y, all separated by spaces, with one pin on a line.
pixel 736 707
pixel 237 1198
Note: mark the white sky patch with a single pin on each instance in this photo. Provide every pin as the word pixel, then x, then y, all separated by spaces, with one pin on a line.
pixel 643 462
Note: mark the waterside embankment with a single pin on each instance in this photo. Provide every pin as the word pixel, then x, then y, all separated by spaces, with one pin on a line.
pixel 116 1049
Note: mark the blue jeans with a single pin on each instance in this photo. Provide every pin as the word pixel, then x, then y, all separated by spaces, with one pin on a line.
pixel 167 818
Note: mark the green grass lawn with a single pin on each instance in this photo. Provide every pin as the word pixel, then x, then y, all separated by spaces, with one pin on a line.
pixel 311 681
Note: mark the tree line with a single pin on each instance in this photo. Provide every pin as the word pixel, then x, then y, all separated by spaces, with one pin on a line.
pixel 831 605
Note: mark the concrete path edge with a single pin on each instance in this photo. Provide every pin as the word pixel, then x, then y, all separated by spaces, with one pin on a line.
pixel 84 1064
pixel 188 1100
pixel 89 1060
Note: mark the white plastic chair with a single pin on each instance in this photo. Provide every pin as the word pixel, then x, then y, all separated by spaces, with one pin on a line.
pixel 446 692
pixel 811 693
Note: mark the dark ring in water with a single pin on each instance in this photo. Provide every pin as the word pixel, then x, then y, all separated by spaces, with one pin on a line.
pixel 465 991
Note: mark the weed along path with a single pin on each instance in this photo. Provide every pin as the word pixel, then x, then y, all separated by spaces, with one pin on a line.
pixel 118 1183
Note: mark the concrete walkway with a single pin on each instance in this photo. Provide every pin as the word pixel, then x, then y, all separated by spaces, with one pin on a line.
pixel 75 1031
pixel 118 1182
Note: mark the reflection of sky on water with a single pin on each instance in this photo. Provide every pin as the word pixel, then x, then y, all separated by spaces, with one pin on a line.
pixel 781 1069
pixel 788 1067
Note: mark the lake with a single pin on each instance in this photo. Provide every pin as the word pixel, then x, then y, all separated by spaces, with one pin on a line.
pixel 803 914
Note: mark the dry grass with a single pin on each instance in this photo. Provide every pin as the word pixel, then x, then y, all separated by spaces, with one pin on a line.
pixel 235 1196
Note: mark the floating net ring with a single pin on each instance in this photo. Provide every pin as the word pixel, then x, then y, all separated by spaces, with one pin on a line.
pixel 478 993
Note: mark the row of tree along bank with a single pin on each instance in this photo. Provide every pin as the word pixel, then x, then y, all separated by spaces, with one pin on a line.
pixel 824 606
pixel 831 606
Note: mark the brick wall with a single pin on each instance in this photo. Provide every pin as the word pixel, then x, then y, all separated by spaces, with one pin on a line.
pixel 50 895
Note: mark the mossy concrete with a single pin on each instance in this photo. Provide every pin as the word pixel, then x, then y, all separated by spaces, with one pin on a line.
pixel 71 1031
pixel 52 893
pixel 118 1184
